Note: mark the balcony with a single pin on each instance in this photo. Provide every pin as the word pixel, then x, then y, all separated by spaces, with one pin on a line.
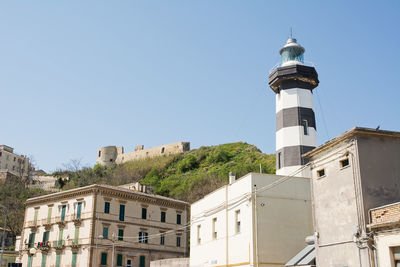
pixel 75 243
pixel 60 221
pixel 48 222
pixel 59 244
pixel 43 246
pixel 33 225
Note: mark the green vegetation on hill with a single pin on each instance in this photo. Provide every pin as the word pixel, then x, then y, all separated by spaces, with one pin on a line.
pixel 187 176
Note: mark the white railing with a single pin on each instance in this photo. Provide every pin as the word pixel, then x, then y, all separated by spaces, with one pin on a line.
pixel 279 64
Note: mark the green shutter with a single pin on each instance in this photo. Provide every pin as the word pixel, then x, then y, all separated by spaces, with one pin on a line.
pixel 29 261
pixel 142 261
pixel 45 237
pixel 76 238
pixel 105 232
pixel 103 259
pixel 163 216
pixel 49 214
pixel 63 212
pixel 31 240
pixel 78 210
pixel 121 234
pixel 58 258
pixel 144 213
pixel 60 236
pixel 73 259
pixel 121 212
pixel 119 259
pixel 35 216
pixel 44 260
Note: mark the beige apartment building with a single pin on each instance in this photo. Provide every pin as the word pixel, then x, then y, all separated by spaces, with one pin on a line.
pixel 15 164
pixel 101 225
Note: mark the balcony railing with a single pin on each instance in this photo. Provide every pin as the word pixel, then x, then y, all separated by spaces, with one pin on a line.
pixel 58 244
pixel 48 221
pixel 43 245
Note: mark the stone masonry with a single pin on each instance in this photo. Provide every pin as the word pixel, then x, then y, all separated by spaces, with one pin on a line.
pixel 109 155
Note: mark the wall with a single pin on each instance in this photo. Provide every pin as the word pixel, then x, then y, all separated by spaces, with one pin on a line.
pixel 284 220
pixel 380 171
pixel 111 154
pixel 335 207
pixel 178 262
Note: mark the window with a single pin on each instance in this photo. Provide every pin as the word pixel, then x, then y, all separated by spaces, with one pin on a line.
pixel 111 160
pixel 214 230
pixel 45 237
pixel 121 212
pixel 162 239
pixel 79 210
pixel 321 173
pixel 279 160
pixel 396 256
pixel 143 237
pixel 144 213
pixel 15 159
pixel 178 241
pixel 44 260
pixel 63 208
pixel 120 234
pixel 198 234
pixel 99 153
pixel 344 163
pixel 304 123
pixel 58 259
pixel 31 241
pixel 162 150
pixel 49 211
pixel 142 261
pixel 163 216
pixel 105 232
pixel 60 237
pixel 1 154
pixel 178 219
pixel 103 258
pixel 106 207
pixel 76 236
pixel 13 168
pixel 237 221
pixel 128 263
pixel 74 254
pixel 119 259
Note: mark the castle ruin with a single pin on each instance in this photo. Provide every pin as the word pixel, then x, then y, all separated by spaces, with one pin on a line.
pixel 109 155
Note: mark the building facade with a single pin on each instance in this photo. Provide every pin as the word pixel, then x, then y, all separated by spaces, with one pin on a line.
pixel 385 224
pixel 296 131
pixel 101 225
pixel 17 165
pixel 351 174
pixel 109 155
pixel 251 223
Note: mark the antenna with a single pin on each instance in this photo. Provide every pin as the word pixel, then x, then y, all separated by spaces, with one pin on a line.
pixel 291 32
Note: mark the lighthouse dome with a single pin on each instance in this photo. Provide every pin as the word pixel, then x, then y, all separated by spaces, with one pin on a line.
pixel 292 53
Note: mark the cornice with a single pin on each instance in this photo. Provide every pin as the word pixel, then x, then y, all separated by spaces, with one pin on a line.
pixel 108 191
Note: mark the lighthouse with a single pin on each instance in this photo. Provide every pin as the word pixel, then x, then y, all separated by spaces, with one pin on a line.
pixel 293 82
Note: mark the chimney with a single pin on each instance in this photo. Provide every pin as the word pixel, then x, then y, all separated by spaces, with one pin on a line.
pixel 232 177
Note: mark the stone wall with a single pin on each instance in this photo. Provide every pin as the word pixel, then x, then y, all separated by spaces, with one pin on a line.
pixel 112 154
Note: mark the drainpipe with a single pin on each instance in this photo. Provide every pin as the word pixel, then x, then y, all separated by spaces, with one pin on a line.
pixel 226 227
pixel 256 222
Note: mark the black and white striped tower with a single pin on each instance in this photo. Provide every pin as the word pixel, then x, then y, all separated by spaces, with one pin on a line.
pixel 296 133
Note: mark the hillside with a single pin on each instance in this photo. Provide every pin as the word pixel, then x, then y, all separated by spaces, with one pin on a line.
pixel 188 176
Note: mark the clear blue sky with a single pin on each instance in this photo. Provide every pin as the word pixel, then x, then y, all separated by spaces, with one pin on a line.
pixel 78 75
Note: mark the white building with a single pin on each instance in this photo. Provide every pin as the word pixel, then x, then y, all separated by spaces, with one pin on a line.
pixel 257 220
